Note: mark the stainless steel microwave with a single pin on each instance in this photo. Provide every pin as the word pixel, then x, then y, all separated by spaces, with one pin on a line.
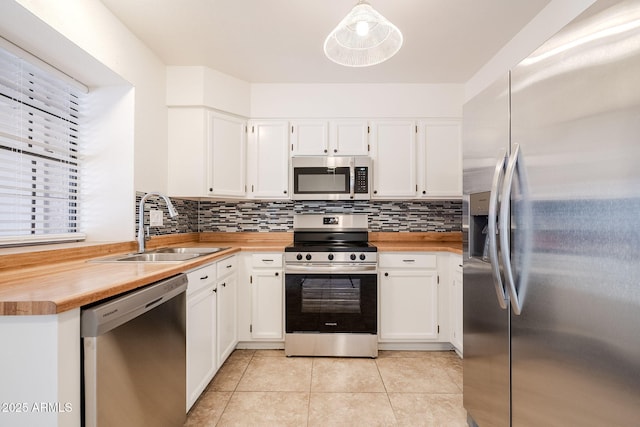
pixel 330 178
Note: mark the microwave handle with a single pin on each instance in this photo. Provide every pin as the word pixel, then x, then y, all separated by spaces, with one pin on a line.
pixel 352 178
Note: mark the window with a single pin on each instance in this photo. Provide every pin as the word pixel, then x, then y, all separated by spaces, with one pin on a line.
pixel 40 153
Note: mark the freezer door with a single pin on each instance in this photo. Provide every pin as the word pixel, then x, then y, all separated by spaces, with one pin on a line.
pixel 485 316
pixel 575 114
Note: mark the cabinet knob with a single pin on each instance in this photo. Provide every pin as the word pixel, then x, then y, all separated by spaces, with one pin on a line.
pixel 277 274
pixel 375 191
pixel 211 189
pixel 424 192
pixel 224 285
pixel 386 274
pixel 335 150
pixel 215 291
pixel 325 150
pixel 285 191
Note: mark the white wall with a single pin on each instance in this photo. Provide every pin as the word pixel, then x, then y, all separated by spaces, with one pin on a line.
pixel 356 100
pixel 550 20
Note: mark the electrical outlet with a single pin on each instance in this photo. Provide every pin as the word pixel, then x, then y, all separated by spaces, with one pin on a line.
pixel 155 218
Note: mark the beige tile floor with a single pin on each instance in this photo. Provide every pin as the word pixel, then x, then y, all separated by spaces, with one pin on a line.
pixel 399 388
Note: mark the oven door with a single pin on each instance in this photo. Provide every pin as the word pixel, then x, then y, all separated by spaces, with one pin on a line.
pixel 331 303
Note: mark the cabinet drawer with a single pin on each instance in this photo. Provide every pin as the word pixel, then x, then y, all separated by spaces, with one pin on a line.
pixel 266 260
pixel 407 260
pixel 200 278
pixel 227 266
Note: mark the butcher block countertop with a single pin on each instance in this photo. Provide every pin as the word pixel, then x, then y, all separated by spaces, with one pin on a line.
pixel 38 280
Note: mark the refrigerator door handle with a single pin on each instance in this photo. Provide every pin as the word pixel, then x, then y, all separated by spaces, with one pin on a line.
pixel 498 176
pixel 515 163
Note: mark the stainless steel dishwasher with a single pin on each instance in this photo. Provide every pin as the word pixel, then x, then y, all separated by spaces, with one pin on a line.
pixel 134 357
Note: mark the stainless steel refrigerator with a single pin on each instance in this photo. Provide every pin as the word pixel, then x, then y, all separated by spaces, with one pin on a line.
pixel 552 231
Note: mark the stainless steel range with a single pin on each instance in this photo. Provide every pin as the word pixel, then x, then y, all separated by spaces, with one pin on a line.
pixel 331 288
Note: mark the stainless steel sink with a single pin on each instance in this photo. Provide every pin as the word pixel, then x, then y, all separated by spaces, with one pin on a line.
pixel 157 257
pixel 162 255
pixel 199 251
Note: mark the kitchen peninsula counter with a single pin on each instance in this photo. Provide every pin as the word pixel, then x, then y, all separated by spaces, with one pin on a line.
pixel 43 281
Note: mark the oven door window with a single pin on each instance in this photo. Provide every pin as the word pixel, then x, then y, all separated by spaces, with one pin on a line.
pixel 331 295
pixel 321 180
pixel 331 303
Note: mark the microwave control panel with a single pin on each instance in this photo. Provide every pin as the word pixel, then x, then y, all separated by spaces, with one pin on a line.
pixel 362 180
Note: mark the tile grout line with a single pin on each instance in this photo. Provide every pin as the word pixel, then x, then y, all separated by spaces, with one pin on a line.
pixel 235 388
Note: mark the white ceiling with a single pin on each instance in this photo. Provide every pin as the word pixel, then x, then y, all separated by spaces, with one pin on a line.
pixel 280 41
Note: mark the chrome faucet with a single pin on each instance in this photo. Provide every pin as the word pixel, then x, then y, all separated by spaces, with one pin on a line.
pixel 141 234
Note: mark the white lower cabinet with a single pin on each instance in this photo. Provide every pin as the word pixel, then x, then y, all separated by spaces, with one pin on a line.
pixel 267 297
pixel 456 302
pixel 409 297
pixel 211 322
pixel 201 331
pixel 227 284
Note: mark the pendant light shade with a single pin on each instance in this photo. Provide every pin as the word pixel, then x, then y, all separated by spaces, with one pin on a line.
pixel 363 38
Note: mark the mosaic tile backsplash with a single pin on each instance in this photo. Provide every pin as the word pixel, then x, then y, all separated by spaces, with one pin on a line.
pixel 265 216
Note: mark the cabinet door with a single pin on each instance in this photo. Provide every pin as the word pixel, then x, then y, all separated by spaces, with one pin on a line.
pixel 408 305
pixel 227 325
pixel 309 137
pixel 349 138
pixel 267 309
pixel 201 342
pixel 456 304
pixel 268 159
pixel 440 159
pixel 227 155
pixel 393 149
pixel 187 152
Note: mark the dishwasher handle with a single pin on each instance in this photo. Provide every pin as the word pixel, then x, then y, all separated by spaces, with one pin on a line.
pixel 99 319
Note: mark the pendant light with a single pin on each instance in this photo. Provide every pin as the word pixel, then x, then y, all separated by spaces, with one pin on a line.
pixel 363 38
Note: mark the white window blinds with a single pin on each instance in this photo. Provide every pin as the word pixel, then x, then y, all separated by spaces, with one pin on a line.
pixel 40 161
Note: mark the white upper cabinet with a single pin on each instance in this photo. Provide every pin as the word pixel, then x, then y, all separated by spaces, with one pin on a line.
pixel 268 159
pixel 187 152
pixel 393 150
pixel 309 137
pixel 322 137
pixel 349 138
pixel 227 158
pixel 207 153
pixel 440 160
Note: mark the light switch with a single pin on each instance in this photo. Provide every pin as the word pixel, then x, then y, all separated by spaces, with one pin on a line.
pixel 155 218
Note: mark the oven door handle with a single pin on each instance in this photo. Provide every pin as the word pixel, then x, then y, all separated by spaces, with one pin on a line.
pixel 331 269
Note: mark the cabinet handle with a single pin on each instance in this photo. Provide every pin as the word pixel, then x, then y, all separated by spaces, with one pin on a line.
pixel 230 265
pixel 204 277
pixel 267 260
pixel 408 260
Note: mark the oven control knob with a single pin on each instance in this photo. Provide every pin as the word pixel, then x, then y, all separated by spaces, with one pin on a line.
pixel 299 257
pixel 353 257
pixel 308 257
pixel 363 257
pixel 330 257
